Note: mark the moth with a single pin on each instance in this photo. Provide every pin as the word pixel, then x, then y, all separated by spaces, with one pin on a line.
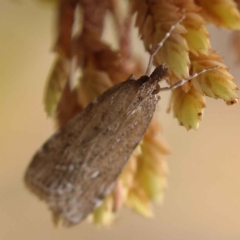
pixel 78 166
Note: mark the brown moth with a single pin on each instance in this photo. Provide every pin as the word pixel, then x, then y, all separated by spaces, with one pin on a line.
pixel 78 166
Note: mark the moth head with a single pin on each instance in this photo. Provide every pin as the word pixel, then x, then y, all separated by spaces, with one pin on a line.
pixel 158 73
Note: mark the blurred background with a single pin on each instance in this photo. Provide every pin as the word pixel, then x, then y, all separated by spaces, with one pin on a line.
pixel 203 197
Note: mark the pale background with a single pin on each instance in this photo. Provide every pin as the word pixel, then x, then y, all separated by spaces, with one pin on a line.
pixel 203 198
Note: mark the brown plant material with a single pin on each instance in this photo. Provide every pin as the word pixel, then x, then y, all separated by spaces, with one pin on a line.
pixel 218 83
pixel 68 106
pixel 55 84
pixel 92 84
pixel 65 27
pixel 222 13
pixel 188 50
pixel 94 14
pixel 235 44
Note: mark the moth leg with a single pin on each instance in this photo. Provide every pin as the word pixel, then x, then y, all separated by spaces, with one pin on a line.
pixel 160 44
pixel 181 82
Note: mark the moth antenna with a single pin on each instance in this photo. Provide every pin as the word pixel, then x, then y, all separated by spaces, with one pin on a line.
pixel 181 82
pixel 160 44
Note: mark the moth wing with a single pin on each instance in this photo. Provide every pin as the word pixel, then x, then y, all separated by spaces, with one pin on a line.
pixel 58 168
